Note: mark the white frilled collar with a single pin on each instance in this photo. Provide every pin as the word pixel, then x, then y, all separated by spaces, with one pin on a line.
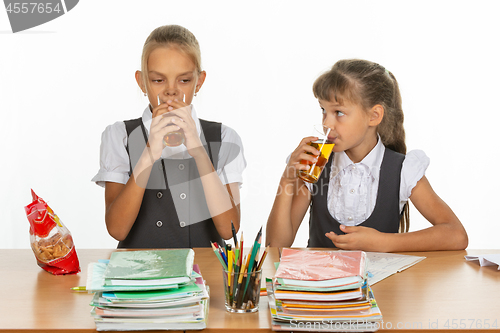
pixel 371 163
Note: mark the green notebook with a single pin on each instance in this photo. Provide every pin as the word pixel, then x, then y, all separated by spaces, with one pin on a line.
pixel 149 267
pixel 155 294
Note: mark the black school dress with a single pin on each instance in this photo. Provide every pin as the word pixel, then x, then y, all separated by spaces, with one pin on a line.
pixel 174 212
pixel 385 216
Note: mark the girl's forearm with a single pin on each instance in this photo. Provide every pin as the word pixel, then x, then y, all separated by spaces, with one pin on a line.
pixel 222 205
pixel 438 237
pixel 446 233
pixel 123 202
pixel 280 231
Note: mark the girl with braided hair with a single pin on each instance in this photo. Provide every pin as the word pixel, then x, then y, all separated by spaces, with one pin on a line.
pixel 360 201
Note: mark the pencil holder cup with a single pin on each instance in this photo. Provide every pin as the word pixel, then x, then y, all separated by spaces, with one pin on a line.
pixel 242 291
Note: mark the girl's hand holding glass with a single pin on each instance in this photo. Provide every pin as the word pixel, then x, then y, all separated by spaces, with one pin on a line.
pixel 304 152
pixel 181 121
pixel 175 137
pixel 324 145
pixel 160 127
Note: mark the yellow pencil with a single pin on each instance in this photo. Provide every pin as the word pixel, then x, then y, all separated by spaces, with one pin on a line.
pixel 242 269
pixel 238 286
pixel 248 259
pixel 229 267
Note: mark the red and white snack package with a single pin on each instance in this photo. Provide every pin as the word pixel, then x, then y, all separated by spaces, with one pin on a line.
pixel 50 240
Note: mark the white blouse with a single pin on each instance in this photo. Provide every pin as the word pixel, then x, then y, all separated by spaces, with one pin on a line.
pixel 353 187
pixel 114 159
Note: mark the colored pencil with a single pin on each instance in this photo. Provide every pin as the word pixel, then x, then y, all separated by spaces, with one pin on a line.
pixel 236 276
pixel 255 248
pixel 221 251
pixel 237 256
pixel 259 266
pixel 235 239
pixel 229 269
pixel 217 253
pixel 238 287
pixel 223 247
pixel 241 248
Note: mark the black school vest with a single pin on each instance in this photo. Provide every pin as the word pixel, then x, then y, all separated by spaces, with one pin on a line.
pixel 173 183
pixel 385 216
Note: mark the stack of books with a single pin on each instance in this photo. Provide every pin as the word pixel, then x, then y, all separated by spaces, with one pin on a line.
pixel 322 291
pixel 148 290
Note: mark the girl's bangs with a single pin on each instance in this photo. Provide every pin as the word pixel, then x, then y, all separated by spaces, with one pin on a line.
pixel 334 87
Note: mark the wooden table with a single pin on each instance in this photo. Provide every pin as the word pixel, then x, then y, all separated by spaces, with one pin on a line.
pixel 441 292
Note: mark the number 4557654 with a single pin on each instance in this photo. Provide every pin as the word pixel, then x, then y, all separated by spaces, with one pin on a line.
pixel 33 7
pixel 470 324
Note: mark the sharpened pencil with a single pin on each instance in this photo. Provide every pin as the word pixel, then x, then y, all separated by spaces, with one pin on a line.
pixel 250 264
pixel 222 254
pixel 241 249
pixel 217 253
pixel 239 285
pixel 230 260
pixel 259 266
pixel 235 239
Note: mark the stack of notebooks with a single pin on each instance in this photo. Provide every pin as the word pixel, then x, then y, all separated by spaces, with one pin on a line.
pixel 148 290
pixel 322 291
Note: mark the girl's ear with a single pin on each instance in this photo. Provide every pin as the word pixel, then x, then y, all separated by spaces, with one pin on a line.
pixel 140 82
pixel 201 80
pixel 376 115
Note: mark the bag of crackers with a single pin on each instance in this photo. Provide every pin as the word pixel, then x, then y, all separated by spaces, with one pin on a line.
pixel 51 241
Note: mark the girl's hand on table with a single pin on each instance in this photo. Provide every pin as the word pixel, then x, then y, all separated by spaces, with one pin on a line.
pixel 357 238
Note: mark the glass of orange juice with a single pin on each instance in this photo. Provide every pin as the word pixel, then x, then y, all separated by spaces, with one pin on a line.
pixel 325 146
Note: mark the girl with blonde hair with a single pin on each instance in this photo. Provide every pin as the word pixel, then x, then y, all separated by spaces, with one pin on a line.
pixel 160 194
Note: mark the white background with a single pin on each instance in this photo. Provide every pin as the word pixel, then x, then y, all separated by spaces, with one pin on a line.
pixel 63 82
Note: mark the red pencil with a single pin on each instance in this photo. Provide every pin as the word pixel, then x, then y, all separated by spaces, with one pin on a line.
pixel 241 249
